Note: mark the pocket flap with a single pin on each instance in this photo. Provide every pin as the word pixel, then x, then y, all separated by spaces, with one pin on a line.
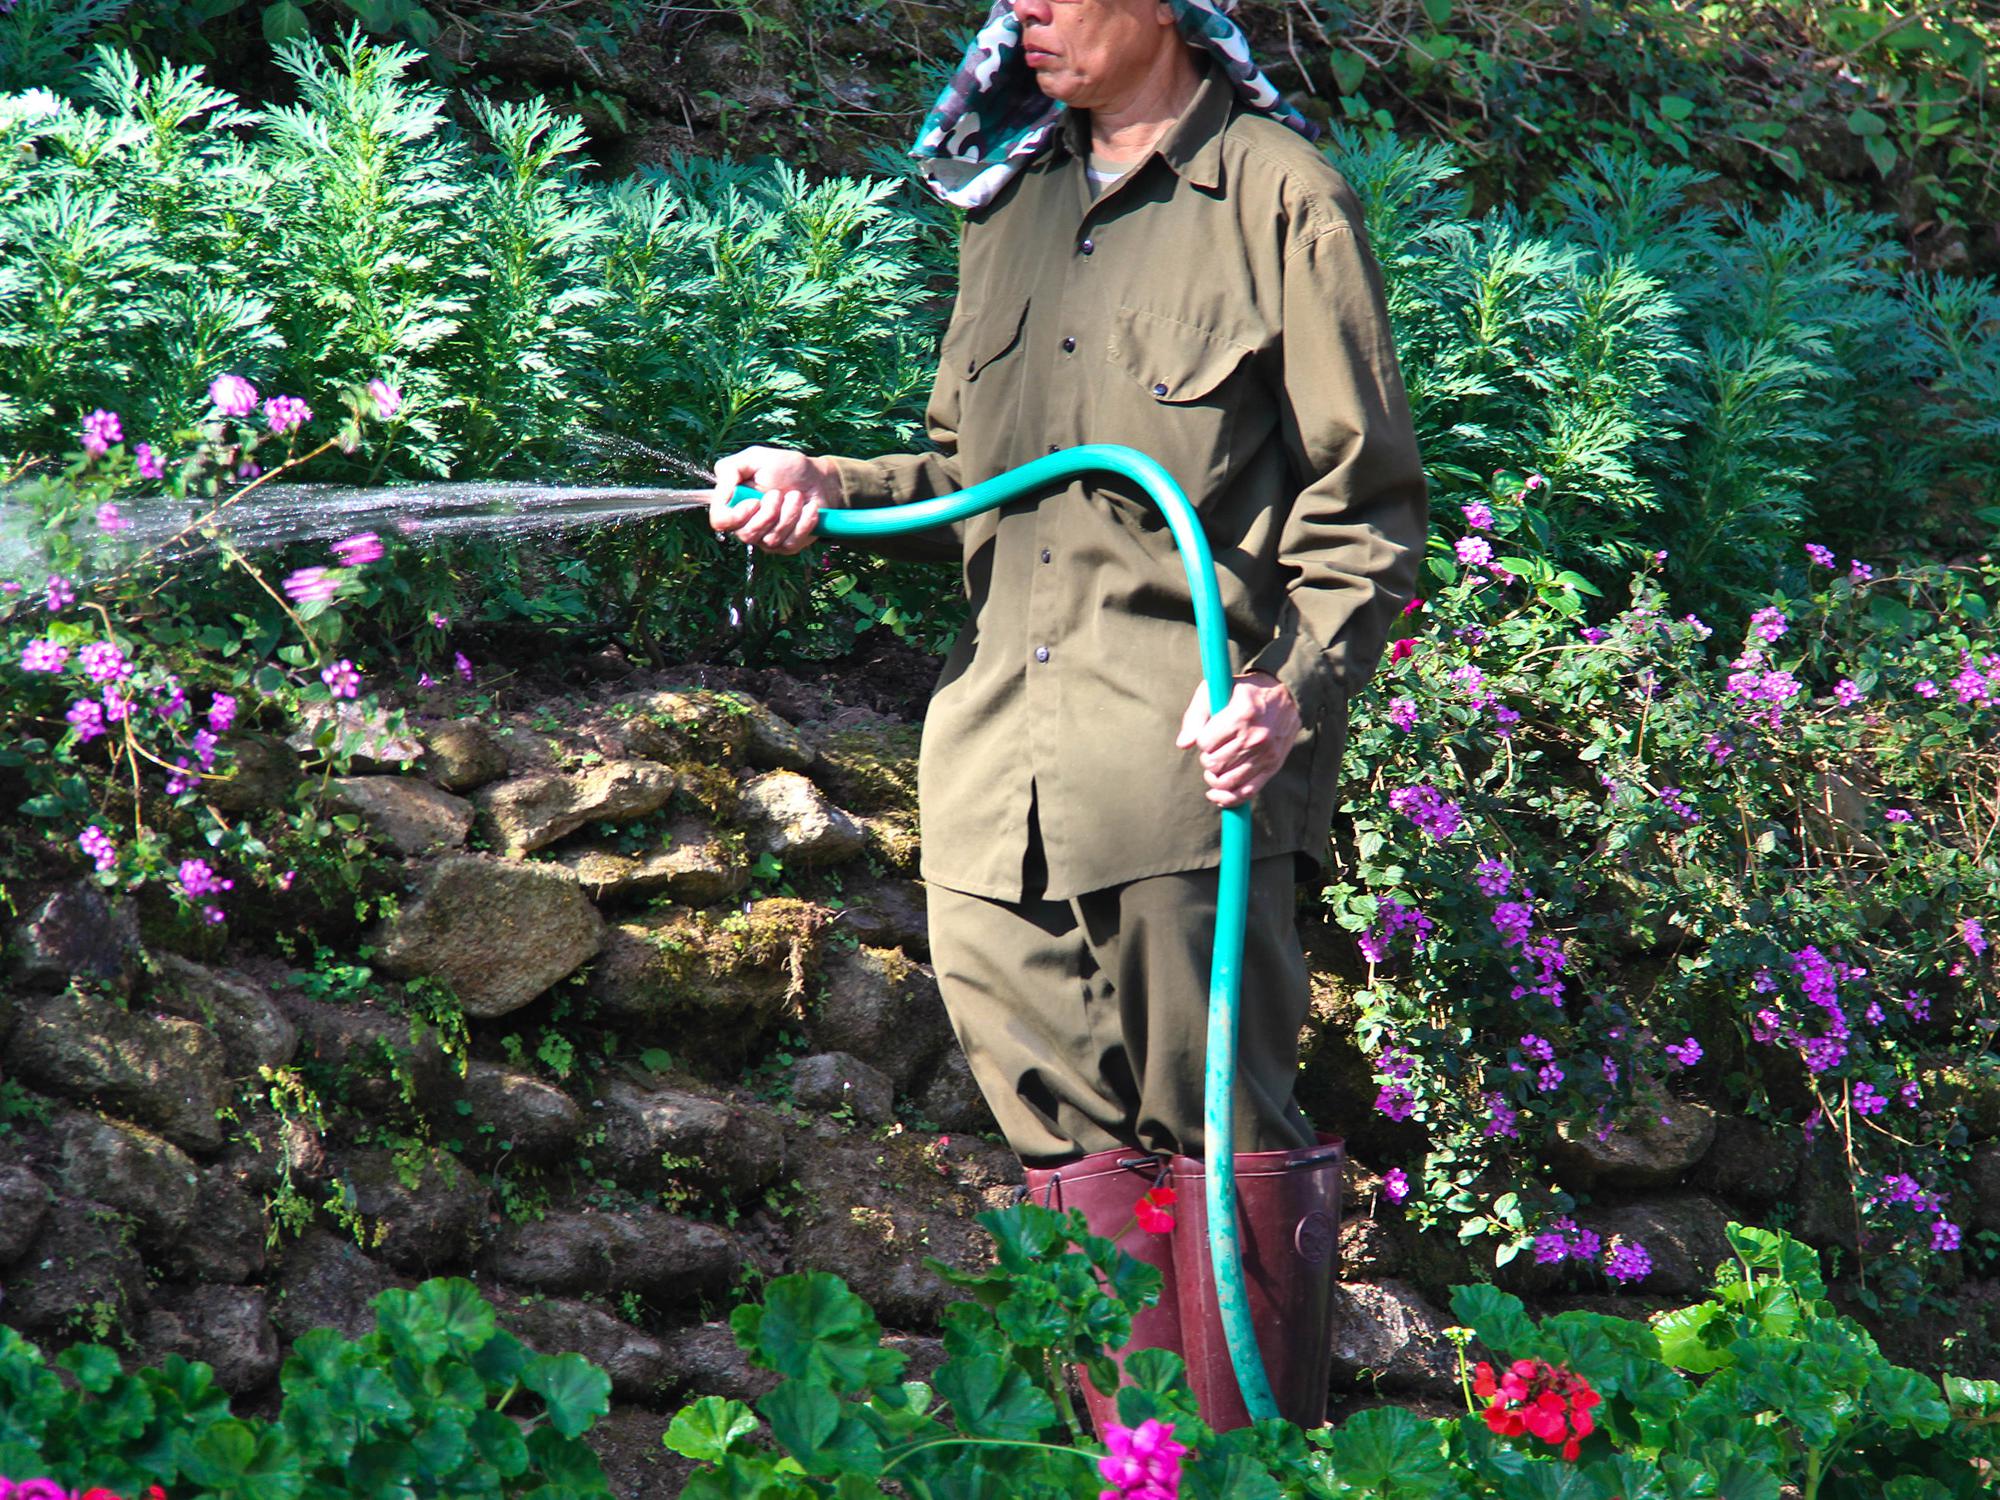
pixel 1175 363
pixel 977 338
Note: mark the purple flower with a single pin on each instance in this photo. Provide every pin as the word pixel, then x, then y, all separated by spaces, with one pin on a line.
pixel 1423 804
pixel 1896 814
pixel 61 594
pixel 1549 1077
pixel 341 679
pixel 1861 571
pixel 248 470
pixel 1686 1053
pixel 196 878
pixel 356 551
pixel 233 396
pixel 1846 693
pixel 1403 714
pixel 1700 627
pixel 439 622
pixel 148 461
pixel 283 414
pixel 464 665
pixel 203 744
pixel 1628 1262
pixel 1769 623
pixel 1551 1248
pixel 100 431
pixel 1910 1094
pixel 1945 1235
pixel 1718 748
pixel 1675 801
pixel 109 519
pixel 1396 1101
pixel 1478 515
pixel 221 712
pixel 95 842
pixel 1592 633
pixel 386 397
pixel 1494 876
pixel 1396 1184
pixel 1392 917
pixel 1866 1101
pixel 1514 920
pixel 1502 1118
pixel 1473 551
pixel 1144 1462
pixel 86 717
pixel 1535 1047
pixel 1818 556
pixel 182 779
pixel 311 586
pixel 43 656
pixel 1974 934
pixel 116 705
pixel 103 662
pixel 1925 688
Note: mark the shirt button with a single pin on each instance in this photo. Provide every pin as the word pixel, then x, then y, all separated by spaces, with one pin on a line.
pixel 1047 557
pixel 1069 346
pixel 1088 247
pixel 1159 390
pixel 1041 653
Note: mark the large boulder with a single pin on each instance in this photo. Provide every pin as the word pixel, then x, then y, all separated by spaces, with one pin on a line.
pixel 78 933
pixel 769 740
pixel 1685 1234
pixel 633 1358
pixel 423 1209
pixel 1656 1142
pixel 378 1053
pixel 666 1259
pixel 232 1233
pixel 161 1072
pixel 462 755
pixel 324 1280
pixel 131 1170
pixel 871 767
pixel 511 1114
pixel 789 818
pixel 528 812
pixel 1388 1335
pixel 1750 1160
pixel 79 1276
pixel 253 1028
pixel 708 982
pixel 497 932
pixel 834 1081
pixel 886 913
pixel 656 1136
pixel 24 1203
pixel 694 866
pixel 410 816
pixel 681 725
pixel 952 1099
pixel 226 1327
pixel 262 771
pixel 876 1004
pixel 705 1360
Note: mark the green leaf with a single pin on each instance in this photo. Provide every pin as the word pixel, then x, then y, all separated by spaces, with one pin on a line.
pixel 1349 68
pixel 1498 1317
pixel 1695 1339
pixel 1675 107
pixel 992 1397
pixel 95 1367
pixel 574 1390
pixel 1907 1400
pixel 500 1443
pixel 1390 1449
pixel 811 1327
pixel 1880 152
pixel 285 22
pixel 1439 11
pixel 818 1430
pixel 1972 1398
pixel 709 1428
pixel 238 1462
pixel 1866 123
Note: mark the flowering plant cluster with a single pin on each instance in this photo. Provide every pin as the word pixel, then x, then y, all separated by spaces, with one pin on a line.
pixel 1594 867
pixel 50 1489
pixel 1535 1398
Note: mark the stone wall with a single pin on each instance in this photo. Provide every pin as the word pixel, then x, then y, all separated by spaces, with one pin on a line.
pixel 726 895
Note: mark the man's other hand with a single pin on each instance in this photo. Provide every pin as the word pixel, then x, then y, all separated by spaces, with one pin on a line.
pixel 785 517
pixel 1243 746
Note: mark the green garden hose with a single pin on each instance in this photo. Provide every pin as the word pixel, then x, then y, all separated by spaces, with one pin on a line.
pixel 1225 982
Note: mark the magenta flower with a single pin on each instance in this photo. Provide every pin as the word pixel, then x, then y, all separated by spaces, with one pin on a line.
pixel 248 470
pixel 61 594
pixel 44 656
pixel 110 519
pixel 86 717
pixel 1896 814
pixel 1945 1235
pixel 283 414
pixel 1429 809
pixel 1718 748
pixel 103 662
pixel 386 397
pixel 221 712
pixel 1396 1101
pixel 1867 1101
pixel 1403 713
pixel 1495 877
pixel 1974 933
pixel 311 586
pixel 196 878
pixel 1473 551
pixel 464 665
pixel 1818 556
pixel 116 705
pixel 1769 623
pixel 100 431
pixel 356 551
pixel 1675 801
pixel 1628 1262
pixel 148 461
pixel 1925 688
pixel 1502 1118
pixel 1396 1184
pixel 1686 1053
pixel 1144 1462
pixel 1861 571
pixel 342 680
pixel 1514 920
pixel 95 842
pixel 233 396
pixel 1846 693
pixel 439 622
pixel 1478 515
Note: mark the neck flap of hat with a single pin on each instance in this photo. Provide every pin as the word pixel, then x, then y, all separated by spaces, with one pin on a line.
pixel 993 117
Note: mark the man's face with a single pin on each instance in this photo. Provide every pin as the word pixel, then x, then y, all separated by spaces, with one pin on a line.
pixel 1086 52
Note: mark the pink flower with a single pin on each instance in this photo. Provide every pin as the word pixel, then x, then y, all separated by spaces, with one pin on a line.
pixel 95 842
pixel 61 594
pixel 221 712
pixel 1818 556
pixel 1925 688
pixel 386 397
pixel 1403 713
pixel 196 878
pixel 1401 649
pixel 341 679
pixel 1769 622
pixel 1473 551
pixel 1478 515
pixel 311 586
pixel 1861 571
pixel 356 551
pixel 283 414
pixel 109 519
pixel 464 665
pixel 43 656
pixel 1144 1462
pixel 1846 693
pixel 233 396
pixel 86 717
pixel 1396 1184
pixel 148 461
pixel 100 431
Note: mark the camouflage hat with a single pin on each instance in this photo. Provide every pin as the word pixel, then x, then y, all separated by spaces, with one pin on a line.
pixel 993 117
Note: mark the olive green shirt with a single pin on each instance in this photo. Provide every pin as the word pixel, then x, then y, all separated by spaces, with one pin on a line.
pixel 1218 307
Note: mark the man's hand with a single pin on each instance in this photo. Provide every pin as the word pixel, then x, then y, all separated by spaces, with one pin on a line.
pixel 785 519
pixel 1245 745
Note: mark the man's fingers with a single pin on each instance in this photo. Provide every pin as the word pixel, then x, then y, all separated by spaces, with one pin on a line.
pixel 1193 719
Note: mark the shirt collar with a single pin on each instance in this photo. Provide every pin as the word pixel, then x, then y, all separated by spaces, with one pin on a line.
pixel 1192 145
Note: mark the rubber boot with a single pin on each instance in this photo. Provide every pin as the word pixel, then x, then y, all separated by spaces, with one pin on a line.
pixel 1288 1216
pixel 1106 1187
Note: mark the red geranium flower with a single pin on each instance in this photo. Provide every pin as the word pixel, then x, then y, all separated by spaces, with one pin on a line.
pixel 1540 1400
pixel 1152 1209
pixel 1400 649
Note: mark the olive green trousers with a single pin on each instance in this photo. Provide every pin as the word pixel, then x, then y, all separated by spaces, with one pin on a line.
pixel 1086 1021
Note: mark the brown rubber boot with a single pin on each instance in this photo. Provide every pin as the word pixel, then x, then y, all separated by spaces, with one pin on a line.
pixel 1106 1187
pixel 1288 1212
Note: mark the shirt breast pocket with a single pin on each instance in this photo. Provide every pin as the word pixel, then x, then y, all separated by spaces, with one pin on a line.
pixel 981 351
pixel 1177 392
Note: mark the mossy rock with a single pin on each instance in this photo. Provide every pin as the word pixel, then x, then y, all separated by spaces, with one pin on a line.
pixel 709 983
pixel 872 768
pixel 895 840
pixel 683 724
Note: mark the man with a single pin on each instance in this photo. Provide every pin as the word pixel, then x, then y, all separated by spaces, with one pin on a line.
pixel 1154 255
